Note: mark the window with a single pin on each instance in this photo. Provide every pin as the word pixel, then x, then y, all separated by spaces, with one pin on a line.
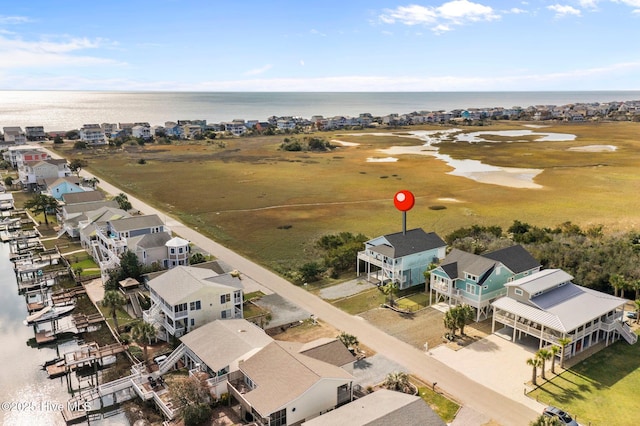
pixel 519 292
pixel 226 314
pixel 279 418
pixel 193 322
pixel 180 308
pixel 173 251
pixel 195 306
pixel 225 298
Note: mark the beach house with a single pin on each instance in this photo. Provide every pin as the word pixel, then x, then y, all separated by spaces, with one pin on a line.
pixel 546 305
pixel 402 257
pixel 185 298
pixel 478 280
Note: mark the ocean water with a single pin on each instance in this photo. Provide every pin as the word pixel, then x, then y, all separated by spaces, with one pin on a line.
pixel 66 110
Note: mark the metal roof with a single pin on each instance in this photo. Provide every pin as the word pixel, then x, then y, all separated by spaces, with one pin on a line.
pixel 541 281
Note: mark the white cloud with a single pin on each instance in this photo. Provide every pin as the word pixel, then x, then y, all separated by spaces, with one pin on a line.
pixel 316 32
pixel 632 3
pixel 12 20
pixel 516 11
pixel 302 62
pixel 564 10
pixel 261 70
pixel 18 53
pixel 441 18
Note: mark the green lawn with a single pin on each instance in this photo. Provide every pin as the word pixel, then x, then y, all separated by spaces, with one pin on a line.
pixel 413 302
pixel 443 406
pixel 361 302
pixel 601 390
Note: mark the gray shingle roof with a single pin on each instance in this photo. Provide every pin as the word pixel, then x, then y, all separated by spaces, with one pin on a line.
pixel 466 262
pixel 147 241
pixel 136 222
pixel 82 197
pixel 381 408
pixel 87 207
pixel 516 258
pixel 414 241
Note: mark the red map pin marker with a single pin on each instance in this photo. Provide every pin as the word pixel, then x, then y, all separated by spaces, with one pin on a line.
pixel 404 200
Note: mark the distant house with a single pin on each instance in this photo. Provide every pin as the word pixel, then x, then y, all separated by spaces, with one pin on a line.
pixel 143 132
pixel 83 225
pixel 185 298
pixel 82 197
pixel 548 306
pixel 35 133
pixel 57 187
pixel 478 280
pixel 14 136
pixel 401 258
pixel 93 134
pixel 33 173
pixel 18 155
pixel 134 233
pixel 381 408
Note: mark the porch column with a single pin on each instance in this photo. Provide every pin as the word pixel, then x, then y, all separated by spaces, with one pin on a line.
pixel 515 326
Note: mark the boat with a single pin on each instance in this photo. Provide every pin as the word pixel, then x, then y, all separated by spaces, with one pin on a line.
pixel 48 313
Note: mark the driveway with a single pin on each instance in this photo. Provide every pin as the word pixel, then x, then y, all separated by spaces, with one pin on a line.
pixel 495 362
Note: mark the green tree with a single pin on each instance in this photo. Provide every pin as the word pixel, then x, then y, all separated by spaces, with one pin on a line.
pixel 543 420
pixel 72 134
pixel 534 362
pixel 544 355
pixel 637 302
pixel 192 395
pixel 618 283
pixel 349 340
pixel 8 181
pixel 113 300
pixel 123 201
pixel 390 290
pixel 554 351
pixel 76 165
pixel 80 145
pixel 130 267
pixel 142 333
pixel 311 271
pixel 463 314
pixel 563 342
pixel 450 323
pixel 41 203
pixel 58 140
pixel 196 258
pixel 398 381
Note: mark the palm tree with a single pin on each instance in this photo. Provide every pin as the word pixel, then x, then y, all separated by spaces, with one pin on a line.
pixel 564 341
pixel 544 355
pixel 142 333
pixel 349 340
pixel 123 201
pixel 637 302
pixel 617 281
pixel 450 322
pixel 41 203
pixel 390 289
pixel 543 420
pixel 554 351
pixel 463 313
pixel 398 381
pixel 534 362
pixel 113 300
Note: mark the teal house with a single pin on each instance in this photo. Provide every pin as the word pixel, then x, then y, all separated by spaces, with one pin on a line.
pixel 401 258
pixel 478 280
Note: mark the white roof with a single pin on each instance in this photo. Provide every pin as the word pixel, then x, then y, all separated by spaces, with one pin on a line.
pixel 564 308
pixel 177 242
pixel 541 281
pixel 179 283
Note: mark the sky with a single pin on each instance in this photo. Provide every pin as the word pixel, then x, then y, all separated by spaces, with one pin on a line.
pixel 328 45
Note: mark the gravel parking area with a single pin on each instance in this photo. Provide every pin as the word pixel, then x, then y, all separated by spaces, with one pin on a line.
pixel 373 370
pixel 345 289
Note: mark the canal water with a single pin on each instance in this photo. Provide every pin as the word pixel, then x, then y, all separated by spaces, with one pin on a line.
pixel 27 396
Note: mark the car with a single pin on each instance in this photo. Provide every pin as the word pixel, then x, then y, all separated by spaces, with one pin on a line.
pixel 632 314
pixel 559 414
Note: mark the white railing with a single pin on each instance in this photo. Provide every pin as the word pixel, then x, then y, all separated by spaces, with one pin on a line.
pixel 626 332
pixel 174 357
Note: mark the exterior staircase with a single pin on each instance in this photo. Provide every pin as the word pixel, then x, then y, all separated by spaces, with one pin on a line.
pixel 626 332
pixel 172 359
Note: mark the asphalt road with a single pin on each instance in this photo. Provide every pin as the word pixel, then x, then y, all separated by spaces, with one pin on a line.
pixel 470 393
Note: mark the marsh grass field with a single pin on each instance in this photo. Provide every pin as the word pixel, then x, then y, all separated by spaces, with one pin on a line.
pixel 272 205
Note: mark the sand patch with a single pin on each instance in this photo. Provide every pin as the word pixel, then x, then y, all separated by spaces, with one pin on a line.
pixel 345 143
pixel 381 160
pixel 594 148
